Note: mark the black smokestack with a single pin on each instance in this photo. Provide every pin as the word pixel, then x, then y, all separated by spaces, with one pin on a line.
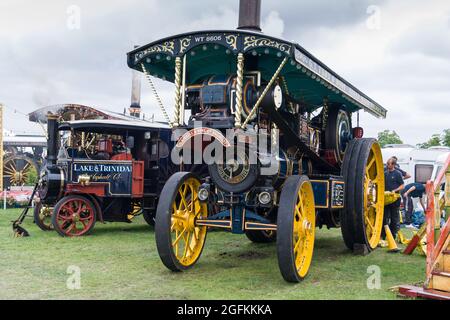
pixel 135 107
pixel 52 140
pixel 250 15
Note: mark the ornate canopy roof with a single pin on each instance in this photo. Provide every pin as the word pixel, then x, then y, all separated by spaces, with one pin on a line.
pixel 214 52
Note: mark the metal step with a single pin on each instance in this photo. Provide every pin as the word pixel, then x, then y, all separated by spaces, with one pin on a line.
pixel 440 281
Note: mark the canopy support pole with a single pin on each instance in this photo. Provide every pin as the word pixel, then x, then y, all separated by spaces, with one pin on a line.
pixel 158 99
pixel 266 89
pixel 239 85
pixel 183 92
pixel 177 117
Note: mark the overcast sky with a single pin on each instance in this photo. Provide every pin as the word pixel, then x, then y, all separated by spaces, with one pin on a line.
pixel 395 51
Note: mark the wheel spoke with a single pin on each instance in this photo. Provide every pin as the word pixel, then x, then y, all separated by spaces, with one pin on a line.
pixel 25 167
pixel 196 233
pixel 178 237
pixel 371 162
pixel 186 247
pixel 68 208
pixel 183 201
pixel 369 223
pixel 65 218
pixel 70 228
pixel 176 246
pixel 79 206
pixel 297 244
pixel 13 165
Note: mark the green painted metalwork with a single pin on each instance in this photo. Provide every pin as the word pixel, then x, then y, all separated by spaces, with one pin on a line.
pixel 215 52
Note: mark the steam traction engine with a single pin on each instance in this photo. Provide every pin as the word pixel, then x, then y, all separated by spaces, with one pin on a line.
pixel 106 170
pixel 270 90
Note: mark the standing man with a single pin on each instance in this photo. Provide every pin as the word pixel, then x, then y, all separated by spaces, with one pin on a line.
pixel 405 174
pixel 394 182
pixel 412 190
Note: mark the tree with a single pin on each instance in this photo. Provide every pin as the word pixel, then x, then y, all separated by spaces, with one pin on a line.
pixel 446 138
pixel 388 137
pixel 434 141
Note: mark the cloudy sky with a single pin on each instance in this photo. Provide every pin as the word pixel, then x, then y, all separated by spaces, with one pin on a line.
pixel 395 51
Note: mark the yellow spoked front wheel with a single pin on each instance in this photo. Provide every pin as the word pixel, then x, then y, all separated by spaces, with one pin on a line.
pixel 296 223
pixel 363 171
pixel 179 240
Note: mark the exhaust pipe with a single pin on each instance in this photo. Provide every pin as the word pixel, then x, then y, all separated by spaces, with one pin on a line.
pixel 250 15
pixel 52 140
pixel 135 107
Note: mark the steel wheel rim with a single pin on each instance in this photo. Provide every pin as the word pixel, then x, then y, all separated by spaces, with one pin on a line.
pixel 304 229
pixel 374 196
pixel 73 214
pixel 187 239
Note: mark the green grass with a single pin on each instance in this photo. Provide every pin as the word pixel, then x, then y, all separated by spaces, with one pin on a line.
pixel 120 261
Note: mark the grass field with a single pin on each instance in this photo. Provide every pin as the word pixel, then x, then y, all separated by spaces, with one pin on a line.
pixel 120 261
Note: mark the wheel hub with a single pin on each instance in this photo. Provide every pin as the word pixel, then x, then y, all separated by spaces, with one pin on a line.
pixel 18 176
pixel 185 220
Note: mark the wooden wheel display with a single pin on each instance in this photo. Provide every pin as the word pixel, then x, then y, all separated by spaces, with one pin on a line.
pixel 74 216
pixel 296 224
pixel 363 171
pixel 19 170
pixel 179 240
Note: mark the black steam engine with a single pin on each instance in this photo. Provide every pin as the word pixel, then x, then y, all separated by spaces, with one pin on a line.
pixel 274 126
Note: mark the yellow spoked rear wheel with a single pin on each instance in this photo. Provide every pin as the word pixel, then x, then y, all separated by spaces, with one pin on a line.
pixel 363 172
pixel 179 240
pixel 296 223
pixel 374 196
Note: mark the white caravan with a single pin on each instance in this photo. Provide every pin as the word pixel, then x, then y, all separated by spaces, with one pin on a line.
pixel 421 164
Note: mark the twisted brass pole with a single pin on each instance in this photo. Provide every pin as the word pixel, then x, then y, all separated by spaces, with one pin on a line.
pixel 158 99
pixel 239 84
pixel 266 89
pixel 177 91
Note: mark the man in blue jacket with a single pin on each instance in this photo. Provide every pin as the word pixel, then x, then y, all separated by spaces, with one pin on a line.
pixel 393 182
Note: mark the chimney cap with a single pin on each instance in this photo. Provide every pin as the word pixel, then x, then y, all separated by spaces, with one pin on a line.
pixel 250 15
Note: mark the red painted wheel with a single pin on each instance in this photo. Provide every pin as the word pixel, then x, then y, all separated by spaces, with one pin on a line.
pixel 74 216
